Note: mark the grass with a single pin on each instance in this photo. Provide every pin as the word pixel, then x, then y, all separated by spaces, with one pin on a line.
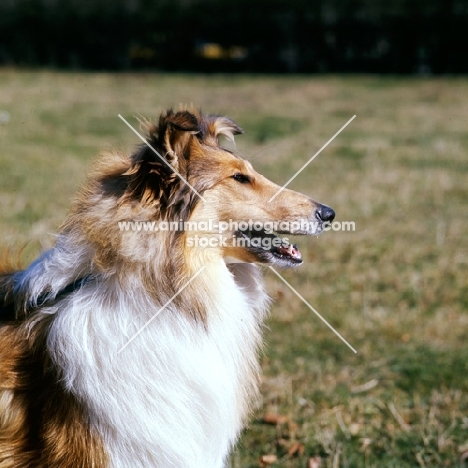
pixel 396 288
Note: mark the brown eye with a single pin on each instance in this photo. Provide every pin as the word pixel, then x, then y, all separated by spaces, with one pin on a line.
pixel 241 178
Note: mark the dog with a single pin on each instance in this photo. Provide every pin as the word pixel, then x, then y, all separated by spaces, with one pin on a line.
pixel 137 348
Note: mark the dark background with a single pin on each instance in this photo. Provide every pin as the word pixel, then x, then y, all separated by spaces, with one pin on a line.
pixel 398 36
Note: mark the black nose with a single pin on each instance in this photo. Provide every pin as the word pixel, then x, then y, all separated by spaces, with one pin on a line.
pixel 325 213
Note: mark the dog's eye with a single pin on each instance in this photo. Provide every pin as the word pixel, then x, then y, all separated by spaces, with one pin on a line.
pixel 243 179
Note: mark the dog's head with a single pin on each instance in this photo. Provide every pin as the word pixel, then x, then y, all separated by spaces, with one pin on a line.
pixel 190 177
pixel 184 175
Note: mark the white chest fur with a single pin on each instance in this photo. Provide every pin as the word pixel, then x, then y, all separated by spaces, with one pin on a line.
pixel 178 394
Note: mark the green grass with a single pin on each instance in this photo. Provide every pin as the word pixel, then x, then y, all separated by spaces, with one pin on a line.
pixel 396 288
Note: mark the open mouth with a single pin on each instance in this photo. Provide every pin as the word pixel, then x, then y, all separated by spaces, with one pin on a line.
pixel 269 248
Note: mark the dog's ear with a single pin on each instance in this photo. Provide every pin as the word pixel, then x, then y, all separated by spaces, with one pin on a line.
pixel 155 168
pixel 174 133
pixel 214 126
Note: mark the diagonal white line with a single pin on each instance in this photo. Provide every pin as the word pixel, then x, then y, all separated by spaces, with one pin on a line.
pixel 312 158
pixel 161 309
pixel 312 309
pixel 181 177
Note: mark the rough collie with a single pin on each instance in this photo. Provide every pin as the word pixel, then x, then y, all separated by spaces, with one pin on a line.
pixel 129 348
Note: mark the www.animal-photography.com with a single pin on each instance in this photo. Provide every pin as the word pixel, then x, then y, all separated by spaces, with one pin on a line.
pixel 233 235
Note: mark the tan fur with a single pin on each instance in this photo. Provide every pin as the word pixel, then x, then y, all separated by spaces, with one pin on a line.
pixel 40 425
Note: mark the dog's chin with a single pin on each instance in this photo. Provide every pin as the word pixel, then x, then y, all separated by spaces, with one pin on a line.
pixel 269 248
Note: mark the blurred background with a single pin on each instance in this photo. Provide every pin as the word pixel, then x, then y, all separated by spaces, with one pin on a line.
pixel 291 73
pixel 379 36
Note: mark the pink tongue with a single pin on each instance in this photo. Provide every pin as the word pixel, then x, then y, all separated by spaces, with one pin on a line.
pixel 290 250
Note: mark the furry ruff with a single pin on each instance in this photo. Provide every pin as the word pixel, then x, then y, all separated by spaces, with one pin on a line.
pixel 123 348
